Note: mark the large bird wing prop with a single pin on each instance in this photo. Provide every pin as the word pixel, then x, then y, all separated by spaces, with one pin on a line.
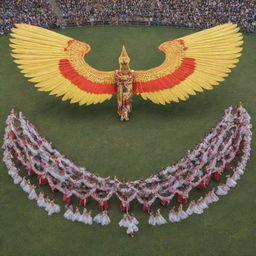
pixel 192 63
pixel 56 64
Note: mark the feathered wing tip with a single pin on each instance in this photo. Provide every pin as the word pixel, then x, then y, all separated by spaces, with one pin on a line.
pixel 192 63
pixel 55 63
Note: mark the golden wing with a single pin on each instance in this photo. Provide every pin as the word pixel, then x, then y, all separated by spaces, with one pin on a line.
pixel 56 64
pixel 192 63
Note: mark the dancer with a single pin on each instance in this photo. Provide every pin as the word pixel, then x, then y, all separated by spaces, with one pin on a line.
pixel 56 207
pixel 151 220
pixel 77 215
pixel 230 182
pixel 23 183
pixel 98 218
pixel 201 203
pixel 160 220
pixel 32 195
pixel 51 207
pixel 190 209
pixel 89 219
pixel 214 197
pixel 173 216
pixel 222 190
pixel 181 213
pixel 132 228
pixel 105 220
pixel 124 221
pixel 69 212
pixel 83 217
pixel 47 204
pixel 27 187
pixel 16 178
pixel 197 209
pixel 235 176
pixel 40 200
pixel 12 170
pixel 133 219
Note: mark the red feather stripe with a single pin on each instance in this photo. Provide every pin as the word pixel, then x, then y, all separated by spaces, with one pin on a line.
pixel 67 70
pixel 186 68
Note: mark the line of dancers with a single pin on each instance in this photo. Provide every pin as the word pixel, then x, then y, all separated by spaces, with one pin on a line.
pixel 208 160
pixel 48 204
pixel 129 221
pixel 101 218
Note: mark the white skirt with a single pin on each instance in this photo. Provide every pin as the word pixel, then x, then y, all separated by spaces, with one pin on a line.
pixel 231 183
pixel 76 216
pixel 98 218
pixel 27 188
pixel 235 176
pixel 68 214
pixel 89 220
pixel 190 210
pixel 208 199
pixel 32 195
pixel 17 179
pixel 135 221
pixel 214 197
pixel 160 220
pixel 151 220
pixel 173 217
pixel 56 208
pixel 197 209
pixel 183 215
pixel 47 206
pixel 23 183
pixel 50 210
pixel 239 171
pixel 12 172
pixel 83 219
pixel 221 192
pixel 40 202
pixel 203 205
pixel 123 223
pixel 132 228
pixel 105 220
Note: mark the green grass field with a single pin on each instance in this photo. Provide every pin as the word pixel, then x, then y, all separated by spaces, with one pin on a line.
pixel 155 137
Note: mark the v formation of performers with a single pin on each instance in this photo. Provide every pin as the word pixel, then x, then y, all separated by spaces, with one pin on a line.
pixel 230 138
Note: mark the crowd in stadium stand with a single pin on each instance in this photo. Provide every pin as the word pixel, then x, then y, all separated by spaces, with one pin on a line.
pixel 185 13
pixel 36 12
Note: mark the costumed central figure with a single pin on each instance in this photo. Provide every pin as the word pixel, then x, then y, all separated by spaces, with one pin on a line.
pixel 124 82
pixel 193 63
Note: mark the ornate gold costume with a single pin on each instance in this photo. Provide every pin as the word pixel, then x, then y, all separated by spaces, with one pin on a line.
pixel 124 81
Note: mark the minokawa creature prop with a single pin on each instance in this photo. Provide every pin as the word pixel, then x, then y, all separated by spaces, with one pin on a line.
pixel 56 64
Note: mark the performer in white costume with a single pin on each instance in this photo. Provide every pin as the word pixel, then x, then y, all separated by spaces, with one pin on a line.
pixel 181 213
pixel 160 220
pixel 77 215
pixel 151 220
pixel 105 220
pixel 230 182
pixel 222 190
pixel 69 212
pixel 124 221
pixel 132 228
pixel 32 195
pixel 40 201
pixel 98 218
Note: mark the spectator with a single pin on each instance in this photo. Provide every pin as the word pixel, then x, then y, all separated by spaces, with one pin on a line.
pixel 182 13
pixel 35 12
